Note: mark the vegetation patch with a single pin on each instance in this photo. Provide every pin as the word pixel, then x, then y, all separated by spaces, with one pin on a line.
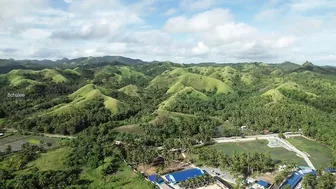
pixel 34 141
pixel 52 160
pixel 130 90
pixel 278 154
pixel 320 154
pixel 129 129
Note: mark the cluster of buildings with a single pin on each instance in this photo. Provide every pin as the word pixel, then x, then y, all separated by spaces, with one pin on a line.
pixel 179 180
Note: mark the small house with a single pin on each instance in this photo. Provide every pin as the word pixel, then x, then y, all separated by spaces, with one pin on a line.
pixel 263 184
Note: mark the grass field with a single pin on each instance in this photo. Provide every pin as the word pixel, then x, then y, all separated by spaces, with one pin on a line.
pixel 17 140
pixel 129 129
pixel 320 154
pixel 124 177
pixel 278 154
pixel 52 160
pixel 34 141
pixel 2 120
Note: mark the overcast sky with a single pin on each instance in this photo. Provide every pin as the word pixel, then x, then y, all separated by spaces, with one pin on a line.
pixel 175 30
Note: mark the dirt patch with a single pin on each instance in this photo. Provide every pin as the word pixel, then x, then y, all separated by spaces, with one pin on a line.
pixel 269 177
pixel 146 169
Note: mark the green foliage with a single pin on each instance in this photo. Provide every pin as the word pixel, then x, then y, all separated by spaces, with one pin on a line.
pixel 320 154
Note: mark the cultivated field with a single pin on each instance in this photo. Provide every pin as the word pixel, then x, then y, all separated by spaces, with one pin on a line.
pixel 278 154
pixel 16 141
pixel 320 154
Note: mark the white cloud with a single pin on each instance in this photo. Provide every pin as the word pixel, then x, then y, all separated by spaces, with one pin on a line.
pixel 329 58
pixel 200 49
pixel 268 14
pixel 35 28
pixel 284 41
pixel 199 22
pixel 306 5
pixel 170 12
pixel 35 34
pixel 197 4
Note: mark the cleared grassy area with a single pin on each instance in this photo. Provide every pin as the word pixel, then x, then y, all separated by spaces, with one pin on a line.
pixel 2 120
pixel 129 129
pixel 16 140
pixel 320 155
pixel 278 154
pixel 34 141
pixel 124 177
pixel 52 160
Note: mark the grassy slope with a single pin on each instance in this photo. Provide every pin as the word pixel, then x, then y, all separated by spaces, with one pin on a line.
pixel 179 78
pixel 276 95
pixel 191 92
pixel 277 154
pixel 52 160
pixel 248 79
pixel 84 95
pixel 124 177
pixel 320 154
pixel 54 75
pixel 129 129
pixel 130 90
pixel 16 77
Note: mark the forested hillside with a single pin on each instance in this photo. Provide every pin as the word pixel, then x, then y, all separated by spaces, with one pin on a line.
pixel 165 101
pixel 279 97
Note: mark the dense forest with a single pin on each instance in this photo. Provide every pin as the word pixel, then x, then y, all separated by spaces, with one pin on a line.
pixel 167 105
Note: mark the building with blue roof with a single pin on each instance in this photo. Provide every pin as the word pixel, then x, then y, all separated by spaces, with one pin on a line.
pixel 263 184
pixel 293 180
pixel 330 170
pixel 156 179
pixel 183 175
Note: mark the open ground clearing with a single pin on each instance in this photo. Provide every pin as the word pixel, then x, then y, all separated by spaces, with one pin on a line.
pixel 320 154
pixel 52 160
pixel 125 177
pixel 16 141
pixel 129 129
pixel 278 154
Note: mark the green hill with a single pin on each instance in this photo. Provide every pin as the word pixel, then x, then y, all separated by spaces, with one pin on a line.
pixel 86 94
pixel 187 91
pixel 277 94
pixel 179 78
pixel 130 90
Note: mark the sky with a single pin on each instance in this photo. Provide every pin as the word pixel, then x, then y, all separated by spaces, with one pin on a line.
pixel 183 31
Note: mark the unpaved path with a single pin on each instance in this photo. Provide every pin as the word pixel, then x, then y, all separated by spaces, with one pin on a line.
pixel 284 143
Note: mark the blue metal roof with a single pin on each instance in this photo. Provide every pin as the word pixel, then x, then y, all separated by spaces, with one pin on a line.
pixel 263 183
pixel 184 175
pixel 331 170
pixel 152 177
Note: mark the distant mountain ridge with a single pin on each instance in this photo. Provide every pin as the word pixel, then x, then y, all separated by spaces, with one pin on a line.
pixel 6 65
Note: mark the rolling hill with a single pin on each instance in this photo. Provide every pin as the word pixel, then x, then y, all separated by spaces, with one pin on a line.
pixel 86 94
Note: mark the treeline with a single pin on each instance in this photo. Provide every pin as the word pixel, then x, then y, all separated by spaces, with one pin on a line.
pixel 244 163
pixel 42 179
pixel 165 127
